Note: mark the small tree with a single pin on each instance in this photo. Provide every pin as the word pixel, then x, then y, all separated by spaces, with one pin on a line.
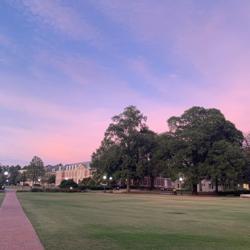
pixel 52 179
pixel 14 175
pixel 36 169
pixel 68 184
pixel 23 177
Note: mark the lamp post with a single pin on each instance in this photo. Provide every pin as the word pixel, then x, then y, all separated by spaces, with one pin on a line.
pixel 181 180
pixel 104 178
pixel 110 179
pixel 6 174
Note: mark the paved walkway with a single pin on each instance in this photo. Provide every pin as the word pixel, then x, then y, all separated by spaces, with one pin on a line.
pixel 16 231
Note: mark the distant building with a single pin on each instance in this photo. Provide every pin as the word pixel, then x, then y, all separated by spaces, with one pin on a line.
pixel 53 168
pixel 208 186
pixel 75 171
pixel 160 182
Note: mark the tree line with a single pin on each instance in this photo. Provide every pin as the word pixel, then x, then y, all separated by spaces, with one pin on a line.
pixel 199 144
pixel 35 172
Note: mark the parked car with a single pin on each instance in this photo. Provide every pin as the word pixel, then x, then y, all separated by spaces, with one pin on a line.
pixel 2 187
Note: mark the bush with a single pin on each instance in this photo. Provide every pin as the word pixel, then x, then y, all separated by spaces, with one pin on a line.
pixel 36 185
pixel 233 193
pixel 35 189
pixel 90 184
pixel 67 184
pixel 52 190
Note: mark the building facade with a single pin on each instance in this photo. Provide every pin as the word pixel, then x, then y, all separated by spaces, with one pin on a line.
pixel 162 183
pixel 208 186
pixel 75 171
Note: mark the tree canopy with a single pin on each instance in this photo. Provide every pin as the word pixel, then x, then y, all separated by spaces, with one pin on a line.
pixel 201 144
pixel 200 133
pixel 36 169
pixel 119 149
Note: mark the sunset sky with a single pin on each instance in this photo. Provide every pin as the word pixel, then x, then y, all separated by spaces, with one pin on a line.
pixel 66 67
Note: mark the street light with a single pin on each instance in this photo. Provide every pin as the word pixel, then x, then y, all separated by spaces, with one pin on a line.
pixel 110 179
pixel 6 174
pixel 181 180
pixel 104 178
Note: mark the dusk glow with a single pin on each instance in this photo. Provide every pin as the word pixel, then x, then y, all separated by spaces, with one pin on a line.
pixel 66 67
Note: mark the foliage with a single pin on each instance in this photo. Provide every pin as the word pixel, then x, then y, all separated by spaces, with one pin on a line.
pixel 36 189
pixel 201 144
pixel 51 179
pixel 35 169
pixel 68 184
pixel 119 149
pixel 199 132
pixel 246 170
pixel 13 176
pixel 23 177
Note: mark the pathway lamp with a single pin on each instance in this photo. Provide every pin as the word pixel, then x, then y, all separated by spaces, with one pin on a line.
pixel 104 178
pixel 6 174
pixel 110 180
pixel 181 180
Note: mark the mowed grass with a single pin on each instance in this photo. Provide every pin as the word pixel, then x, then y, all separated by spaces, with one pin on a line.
pixel 1 198
pixel 113 221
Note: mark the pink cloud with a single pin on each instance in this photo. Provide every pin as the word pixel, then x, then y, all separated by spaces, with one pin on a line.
pixel 72 137
pixel 204 37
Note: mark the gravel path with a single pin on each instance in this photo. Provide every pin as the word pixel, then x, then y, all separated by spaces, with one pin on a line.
pixel 16 231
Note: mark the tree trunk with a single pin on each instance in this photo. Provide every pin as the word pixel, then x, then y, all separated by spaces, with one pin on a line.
pixel 152 179
pixel 200 185
pixel 194 189
pixel 128 183
pixel 216 186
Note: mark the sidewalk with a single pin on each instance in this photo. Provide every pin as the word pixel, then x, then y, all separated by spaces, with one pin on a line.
pixel 16 231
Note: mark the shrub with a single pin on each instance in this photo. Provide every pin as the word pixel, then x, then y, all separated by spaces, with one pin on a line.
pixel 36 185
pixel 233 193
pixel 90 183
pixel 52 190
pixel 68 184
pixel 35 189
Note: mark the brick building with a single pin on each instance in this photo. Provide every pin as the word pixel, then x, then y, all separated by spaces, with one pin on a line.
pixel 75 171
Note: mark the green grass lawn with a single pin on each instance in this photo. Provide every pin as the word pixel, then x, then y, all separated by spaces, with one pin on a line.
pixel 112 221
pixel 1 197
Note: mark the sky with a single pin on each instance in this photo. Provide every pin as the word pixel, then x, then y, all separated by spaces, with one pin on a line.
pixel 67 67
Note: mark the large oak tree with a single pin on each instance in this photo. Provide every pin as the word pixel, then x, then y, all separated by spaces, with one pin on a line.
pixel 200 133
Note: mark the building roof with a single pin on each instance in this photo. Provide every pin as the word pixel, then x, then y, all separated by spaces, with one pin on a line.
pixel 75 165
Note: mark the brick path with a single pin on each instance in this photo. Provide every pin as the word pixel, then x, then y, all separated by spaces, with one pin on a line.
pixel 16 231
